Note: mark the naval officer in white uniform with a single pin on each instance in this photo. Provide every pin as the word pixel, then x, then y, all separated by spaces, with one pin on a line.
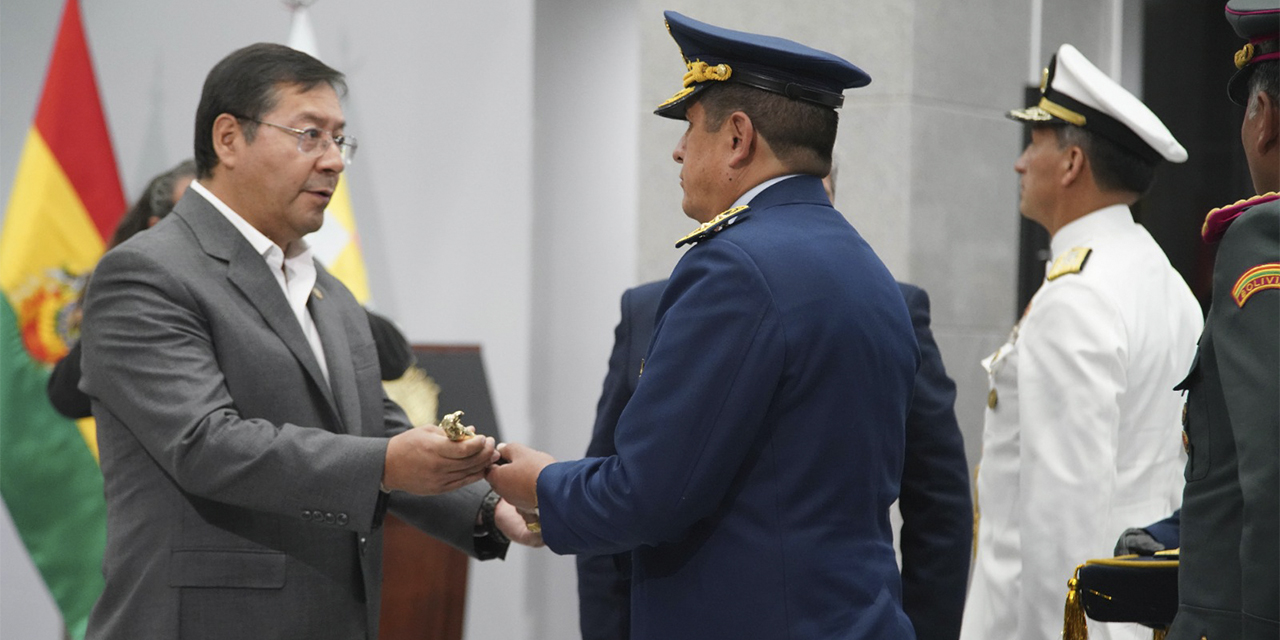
pixel 1082 430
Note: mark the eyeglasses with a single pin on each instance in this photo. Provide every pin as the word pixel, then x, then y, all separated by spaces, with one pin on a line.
pixel 314 142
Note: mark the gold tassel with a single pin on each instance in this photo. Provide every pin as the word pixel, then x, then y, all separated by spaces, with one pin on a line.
pixel 1073 623
pixel 1160 634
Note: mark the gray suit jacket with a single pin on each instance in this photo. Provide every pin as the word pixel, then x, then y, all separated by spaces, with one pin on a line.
pixel 242 490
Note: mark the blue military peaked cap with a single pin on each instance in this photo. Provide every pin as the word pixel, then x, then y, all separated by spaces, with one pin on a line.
pixel 714 54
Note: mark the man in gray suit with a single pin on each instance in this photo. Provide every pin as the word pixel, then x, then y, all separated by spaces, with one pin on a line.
pixel 247 448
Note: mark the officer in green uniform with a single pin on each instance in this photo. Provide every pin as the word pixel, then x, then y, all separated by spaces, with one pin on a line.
pixel 1229 579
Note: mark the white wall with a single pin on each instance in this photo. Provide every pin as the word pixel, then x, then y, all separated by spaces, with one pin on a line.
pixel 586 56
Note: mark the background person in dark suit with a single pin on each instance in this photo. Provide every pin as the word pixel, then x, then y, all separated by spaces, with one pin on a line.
pixel 936 540
pixel 757 461
pixel 604 581
pixel 937 513
pixel 247 446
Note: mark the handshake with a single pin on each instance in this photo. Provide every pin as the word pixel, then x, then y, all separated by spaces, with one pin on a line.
pixel 431 460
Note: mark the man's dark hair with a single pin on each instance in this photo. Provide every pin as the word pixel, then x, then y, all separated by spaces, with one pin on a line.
pixel 156 201
pixel 245 84
pixel 800 133
pixel 1115 168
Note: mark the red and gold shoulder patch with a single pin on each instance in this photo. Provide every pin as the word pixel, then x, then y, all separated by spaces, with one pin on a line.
pixel 1259 278
pixel 1216 223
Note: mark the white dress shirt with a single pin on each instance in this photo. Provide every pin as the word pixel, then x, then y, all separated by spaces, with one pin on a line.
pixel 1082 431
pixel 751 193
pixel 295 272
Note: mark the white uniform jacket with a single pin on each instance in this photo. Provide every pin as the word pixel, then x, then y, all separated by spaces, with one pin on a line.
pixel 1082 430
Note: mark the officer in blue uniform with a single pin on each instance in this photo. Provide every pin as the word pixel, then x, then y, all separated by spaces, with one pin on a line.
pixel 759 456
pixel 936 540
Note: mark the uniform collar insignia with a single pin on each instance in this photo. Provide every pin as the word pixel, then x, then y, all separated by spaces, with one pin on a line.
pixel 714 226
pixel 1071 261
pixel 1216 223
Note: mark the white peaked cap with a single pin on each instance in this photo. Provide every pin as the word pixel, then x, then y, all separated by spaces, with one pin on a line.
pixel 1074 91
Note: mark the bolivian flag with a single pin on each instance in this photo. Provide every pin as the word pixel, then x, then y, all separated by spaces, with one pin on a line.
pixel 66 199
pixel 336 244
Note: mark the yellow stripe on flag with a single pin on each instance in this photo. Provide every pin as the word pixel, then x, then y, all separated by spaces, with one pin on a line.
pixel 348 266
pixel 89 431
pixel 344 261
pixel 46 224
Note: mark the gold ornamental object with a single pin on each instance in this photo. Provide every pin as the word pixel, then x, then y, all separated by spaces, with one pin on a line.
pixel 453 427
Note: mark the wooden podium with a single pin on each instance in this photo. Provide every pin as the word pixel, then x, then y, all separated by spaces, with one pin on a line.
pixel 424 581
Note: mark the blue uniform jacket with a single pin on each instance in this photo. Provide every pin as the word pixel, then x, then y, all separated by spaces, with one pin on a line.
pixel 937 512
pixel 763 446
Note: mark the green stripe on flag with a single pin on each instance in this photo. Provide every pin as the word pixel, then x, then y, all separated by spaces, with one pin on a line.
pixel 50 482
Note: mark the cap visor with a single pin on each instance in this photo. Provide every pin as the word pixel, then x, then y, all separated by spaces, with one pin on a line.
pixel 1034 114
pixel 675 108
pixel 1238 86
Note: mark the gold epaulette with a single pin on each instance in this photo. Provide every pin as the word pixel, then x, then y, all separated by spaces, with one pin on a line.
pixel 1070 262
pixel 713 226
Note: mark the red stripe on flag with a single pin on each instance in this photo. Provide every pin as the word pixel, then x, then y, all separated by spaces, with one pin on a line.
pixel 71 122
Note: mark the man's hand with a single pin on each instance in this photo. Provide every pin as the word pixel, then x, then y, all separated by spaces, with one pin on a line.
pixel 426 462
pixel 514 524
pixel 517 481
pixel 1137 541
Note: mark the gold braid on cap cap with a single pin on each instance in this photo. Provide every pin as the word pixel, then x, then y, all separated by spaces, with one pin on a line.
pixel 1244 55
pixel 1052 108
pixel 1062 112
pixel 698 72
pixel 1048 109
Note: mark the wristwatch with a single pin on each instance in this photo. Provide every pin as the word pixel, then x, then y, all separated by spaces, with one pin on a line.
pixel 488 525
